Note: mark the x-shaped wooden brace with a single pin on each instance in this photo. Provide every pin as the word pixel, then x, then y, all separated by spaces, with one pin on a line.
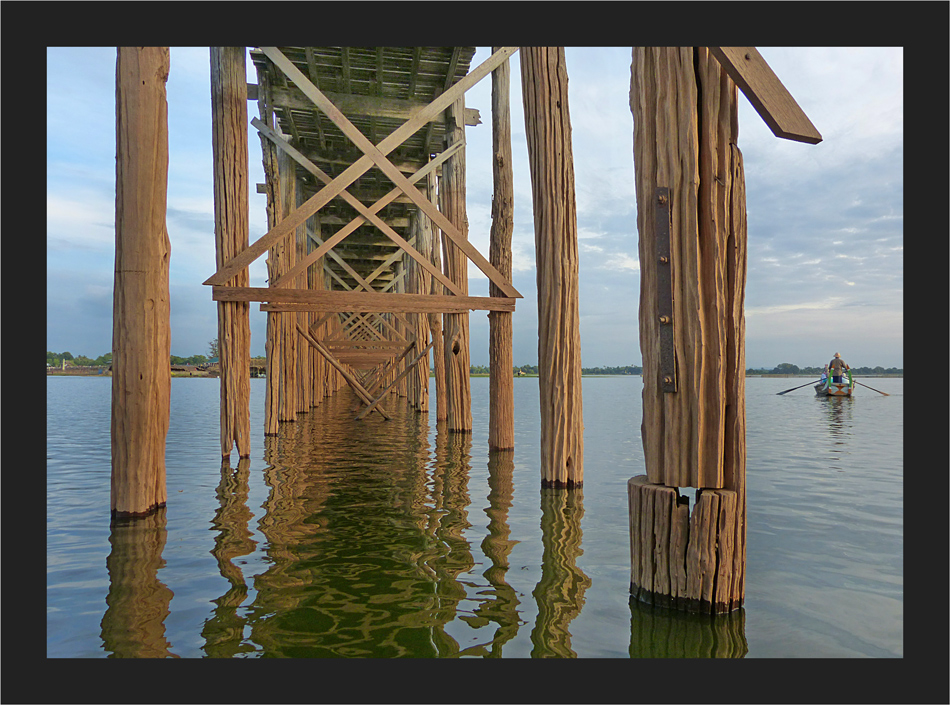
pixel 373 154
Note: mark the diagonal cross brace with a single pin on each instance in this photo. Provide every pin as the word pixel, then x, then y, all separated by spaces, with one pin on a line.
pixel 346 230
pixel 360 208
pixel 289 224
pixel 361 392
pixel 388 168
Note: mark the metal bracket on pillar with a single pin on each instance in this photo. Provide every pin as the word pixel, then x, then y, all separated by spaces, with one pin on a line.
pixel 664 290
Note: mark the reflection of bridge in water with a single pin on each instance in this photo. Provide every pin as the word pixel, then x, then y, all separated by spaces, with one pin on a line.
pixel 384 582
pixel 367 553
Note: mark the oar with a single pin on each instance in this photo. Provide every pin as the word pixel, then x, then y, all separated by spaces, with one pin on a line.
pixel 794 388
pixel 872 388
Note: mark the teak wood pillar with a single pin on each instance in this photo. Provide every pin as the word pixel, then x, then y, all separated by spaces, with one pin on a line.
pixel 435 319
pixel 141 334
pixel 230 154
pixel 458 382
pixel 304 395
pixel 690 184
pixel 548 130
pixel 286 259
pixel 501 412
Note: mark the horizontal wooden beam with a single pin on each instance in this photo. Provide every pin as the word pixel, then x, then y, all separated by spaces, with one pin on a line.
pixel 765 91
pixel 362 301
pixel 366 344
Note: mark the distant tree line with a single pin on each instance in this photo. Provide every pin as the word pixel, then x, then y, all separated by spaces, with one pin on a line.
pixel 55 359
pixel 787 368
pixel 533 370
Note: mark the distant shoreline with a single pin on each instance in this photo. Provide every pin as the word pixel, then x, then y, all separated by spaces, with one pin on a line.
pixel 206 375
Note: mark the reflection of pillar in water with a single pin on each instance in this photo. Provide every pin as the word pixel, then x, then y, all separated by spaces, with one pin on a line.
pixel 656 632
pixel 560 591
pixel 453 462
pixel 133 625
pixel 496 546
pixel 223 632
pixel 296 495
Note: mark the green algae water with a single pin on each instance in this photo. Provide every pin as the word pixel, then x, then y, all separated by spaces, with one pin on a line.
pixel 395 539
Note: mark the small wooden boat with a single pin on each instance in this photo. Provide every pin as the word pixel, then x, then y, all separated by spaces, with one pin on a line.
pixel 828 388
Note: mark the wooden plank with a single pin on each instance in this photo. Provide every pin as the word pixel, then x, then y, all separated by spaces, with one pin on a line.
pixel 367 344
pixel 389 261
pixel 357 205
pixel 679 539
pixel 292 98
pixel 361 301
pixel 698 525
pixel 388 168
pixel 723 598
pixel 356 170
pixel 646 541
pixel 374 357
pixel 633 510
pixel 664 502
pixel 768 95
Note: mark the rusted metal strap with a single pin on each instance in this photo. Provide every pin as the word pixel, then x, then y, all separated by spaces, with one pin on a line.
pixel 664 290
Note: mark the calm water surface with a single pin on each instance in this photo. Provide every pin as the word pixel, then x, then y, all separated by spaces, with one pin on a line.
pixel 396 539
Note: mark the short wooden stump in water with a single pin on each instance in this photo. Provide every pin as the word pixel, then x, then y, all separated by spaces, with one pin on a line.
pixel 681 559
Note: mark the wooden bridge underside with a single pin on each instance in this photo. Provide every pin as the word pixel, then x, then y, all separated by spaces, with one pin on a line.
pixel 366 130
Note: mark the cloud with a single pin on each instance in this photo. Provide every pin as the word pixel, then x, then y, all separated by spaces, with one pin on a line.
pixel 85 220
pixel 622 262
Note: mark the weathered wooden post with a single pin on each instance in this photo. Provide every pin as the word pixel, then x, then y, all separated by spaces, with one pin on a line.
pixel 436 319
pixel 304 371
pixel 692 222
pixel 458 381
pixel 274 214
pixel 548 129
pixel 287 405
pixel 141 334
pixel 501 412
pixel 229 143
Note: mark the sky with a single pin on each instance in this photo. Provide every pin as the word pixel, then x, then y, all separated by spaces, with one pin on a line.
pixel 825 221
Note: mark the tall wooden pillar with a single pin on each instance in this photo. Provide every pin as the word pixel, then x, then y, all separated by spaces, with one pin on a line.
pixel 692 223
pixel 304 371
pixel 229 141
pixel 141 335
pixel 274 214
pixel 417 282
pixel 287 257
pixel 548 130
pixel 458 381
pixel 501 412
pixel 436 320
pixel 315 279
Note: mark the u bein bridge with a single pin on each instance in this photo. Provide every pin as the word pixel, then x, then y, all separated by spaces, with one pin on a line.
pixel 367 256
